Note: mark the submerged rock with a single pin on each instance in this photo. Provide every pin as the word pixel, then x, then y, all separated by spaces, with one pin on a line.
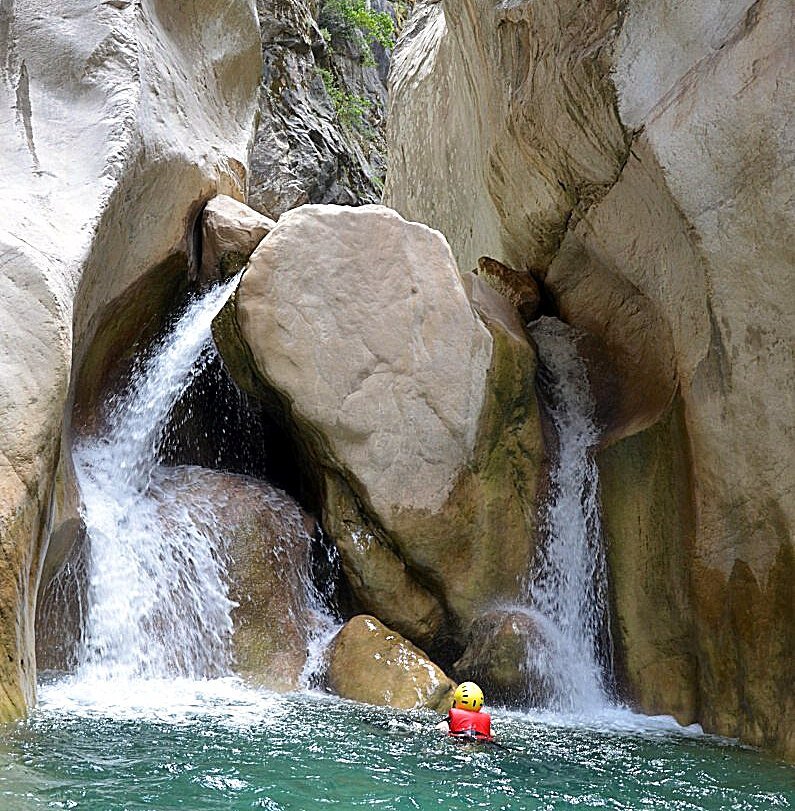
pixel 368 662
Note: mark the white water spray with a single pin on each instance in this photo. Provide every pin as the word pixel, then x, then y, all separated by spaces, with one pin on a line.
pixel 157 597
pixel 567 589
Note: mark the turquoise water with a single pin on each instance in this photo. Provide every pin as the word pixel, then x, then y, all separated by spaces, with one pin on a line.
pixel 218 745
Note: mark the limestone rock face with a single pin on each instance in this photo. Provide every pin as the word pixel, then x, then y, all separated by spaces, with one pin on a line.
pixel 519 153
pixel 648 517
pixel 638 155
pixel 370 663
pixel 304 152
pixel 107 152
pixel 230 232
pixel 421 420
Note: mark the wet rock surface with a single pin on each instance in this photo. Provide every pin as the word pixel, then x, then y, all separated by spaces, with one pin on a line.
pixel 637 154
pixel 266 540
pixel 369 662
pixel 496 658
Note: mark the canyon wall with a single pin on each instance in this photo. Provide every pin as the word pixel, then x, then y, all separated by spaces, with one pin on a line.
pixel 109 152
pixel 635 157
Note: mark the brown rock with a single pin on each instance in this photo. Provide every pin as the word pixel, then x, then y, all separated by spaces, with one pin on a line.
pixel 521 289
pixel 368 662
pixel 267 550
pixel 496 657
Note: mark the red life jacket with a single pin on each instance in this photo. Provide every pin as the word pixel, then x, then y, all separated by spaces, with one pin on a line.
pixel 465 722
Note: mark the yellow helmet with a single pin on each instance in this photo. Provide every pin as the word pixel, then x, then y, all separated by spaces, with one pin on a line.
pixel 468 696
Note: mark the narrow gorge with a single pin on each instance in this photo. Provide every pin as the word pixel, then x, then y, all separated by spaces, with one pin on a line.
pixel 355 349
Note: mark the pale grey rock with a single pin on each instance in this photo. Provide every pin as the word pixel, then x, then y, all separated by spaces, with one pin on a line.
pixel 230 232
pixel 108 151
pixel 484 145
pixel 393 360
pixel 640 154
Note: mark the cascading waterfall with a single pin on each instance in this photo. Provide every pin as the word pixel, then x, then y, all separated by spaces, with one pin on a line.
pixel 158 605
pixel 567 587
pixel 157 596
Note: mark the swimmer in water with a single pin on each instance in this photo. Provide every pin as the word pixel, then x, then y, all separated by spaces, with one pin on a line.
pixel 465 719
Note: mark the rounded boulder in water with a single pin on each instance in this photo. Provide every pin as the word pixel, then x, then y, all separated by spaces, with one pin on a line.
pixel 368 662
pixel 498 640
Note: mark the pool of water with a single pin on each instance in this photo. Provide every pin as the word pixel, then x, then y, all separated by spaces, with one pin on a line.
pixel 220 745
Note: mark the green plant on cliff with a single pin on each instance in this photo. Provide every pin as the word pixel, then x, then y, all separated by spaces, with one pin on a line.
pixel 355 21
pixel 403 9
pixel 349 107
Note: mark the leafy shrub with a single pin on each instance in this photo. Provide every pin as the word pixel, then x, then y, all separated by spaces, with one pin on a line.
pixel 354 20
pixel 349 107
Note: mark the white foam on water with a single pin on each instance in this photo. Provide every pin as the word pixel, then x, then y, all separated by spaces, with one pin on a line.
pixel 609 718
pixel 174 701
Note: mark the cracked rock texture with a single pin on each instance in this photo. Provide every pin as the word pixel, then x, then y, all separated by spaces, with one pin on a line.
pixel 425 434
pixel 303 151
pixel 108 151
pixel 638 157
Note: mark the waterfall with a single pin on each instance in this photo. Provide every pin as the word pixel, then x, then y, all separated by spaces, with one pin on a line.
pixel 567 587
pixel 157 595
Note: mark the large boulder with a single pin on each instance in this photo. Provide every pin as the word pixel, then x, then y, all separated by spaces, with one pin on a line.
pixel 368 662
pixel 109 150
pixel 638 157
pixel 421 422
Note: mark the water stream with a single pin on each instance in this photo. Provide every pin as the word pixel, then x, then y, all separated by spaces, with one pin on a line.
pixel 151 720
pixel 158 601
pixel 567 587
pixel 157 593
